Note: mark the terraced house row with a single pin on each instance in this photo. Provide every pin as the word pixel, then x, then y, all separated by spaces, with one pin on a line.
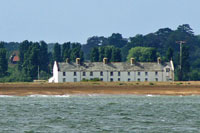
pixel 112 71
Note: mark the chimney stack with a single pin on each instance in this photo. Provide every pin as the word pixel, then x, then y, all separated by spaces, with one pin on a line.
pixel 132 60
pixel 78 61
pixel 67 60
pixel 159 60
pixel 105 60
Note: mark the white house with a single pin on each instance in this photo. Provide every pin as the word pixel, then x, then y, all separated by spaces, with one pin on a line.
pixel 114 71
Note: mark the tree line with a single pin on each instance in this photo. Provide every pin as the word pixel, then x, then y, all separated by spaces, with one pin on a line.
pixel 39 56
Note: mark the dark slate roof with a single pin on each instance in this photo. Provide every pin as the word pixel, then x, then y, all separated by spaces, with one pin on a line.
pixel 114 66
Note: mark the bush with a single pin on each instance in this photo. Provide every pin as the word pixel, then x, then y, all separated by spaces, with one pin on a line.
pixel 151 83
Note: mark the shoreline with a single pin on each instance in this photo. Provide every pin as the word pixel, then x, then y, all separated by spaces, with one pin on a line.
pixel 115 88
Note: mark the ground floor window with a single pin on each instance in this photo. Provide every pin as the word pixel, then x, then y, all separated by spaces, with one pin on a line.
pixel 111 79
pixel 84 74
pixel 146 79
pixel 129 80
pixel 156 79
pixel 64 80
pixel 75 79
pixel 118 79
pixel 138 79
pixel 101 79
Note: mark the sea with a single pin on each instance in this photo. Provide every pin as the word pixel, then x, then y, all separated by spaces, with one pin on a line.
pixel 100 114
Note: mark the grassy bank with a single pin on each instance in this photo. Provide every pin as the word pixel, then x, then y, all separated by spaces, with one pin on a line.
pixel 138 88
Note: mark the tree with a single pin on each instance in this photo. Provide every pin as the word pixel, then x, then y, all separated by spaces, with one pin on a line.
pixel 117 40
pixel 185 67
pixel 170 53
pixel 57 53
pixel 76 52
pixel 143 54
pixel 3 61
pixel 66 51
pixel 116 55
pixel 94 56
pixel 101 53
pixel 44 57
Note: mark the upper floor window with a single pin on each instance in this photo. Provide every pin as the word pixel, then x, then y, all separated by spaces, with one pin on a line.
pixel 111 73
pixel 74 73
pixel 146 73
pixel 64 74
pixel 119 73
pixel 101 73
pixel 129 73
pixel 167 69
pixel 138 73
pixel 84 73
pixel 156 73
pixel 91 73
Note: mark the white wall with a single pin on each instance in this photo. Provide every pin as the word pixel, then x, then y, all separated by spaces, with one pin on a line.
pixel 161 76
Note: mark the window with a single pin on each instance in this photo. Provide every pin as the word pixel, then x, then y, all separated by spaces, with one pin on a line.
pixel 119 73
pixel 156 79
pixel 84 74
pixel 101 79
pixel 129 80
pixel 111 79
pixel 156 73
pixel 138 79
pixel 146 73
pixel 74 73
pixel 129 73
pixel 101 73
pixel 167 69
pixel 64 80
pixel 146 79
pixel 91 73
pixel 118 79
pixel 111 73
pixel 64 74
pixel 75 79
pixel 138 73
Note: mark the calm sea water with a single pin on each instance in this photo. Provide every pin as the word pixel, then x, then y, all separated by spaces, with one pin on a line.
pixel 100 113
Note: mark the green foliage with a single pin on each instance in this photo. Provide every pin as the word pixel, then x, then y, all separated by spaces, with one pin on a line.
pixel 91 80
pixel 33 56
pixel 151 83
pixel 94 56
pixel 143 54
pixel 66 50
pixel 3 61
pixel 57 53
pixel 112 53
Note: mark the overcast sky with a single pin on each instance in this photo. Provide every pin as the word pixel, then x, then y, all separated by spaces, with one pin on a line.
pixel 76 20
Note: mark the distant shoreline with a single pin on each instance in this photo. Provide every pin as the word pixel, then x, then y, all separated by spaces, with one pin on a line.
pixel 116 88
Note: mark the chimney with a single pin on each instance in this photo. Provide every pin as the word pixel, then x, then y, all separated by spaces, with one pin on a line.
pixel 132 60
pixel 159 60
pixel 78 61
pixel 105 60
pixel 67 60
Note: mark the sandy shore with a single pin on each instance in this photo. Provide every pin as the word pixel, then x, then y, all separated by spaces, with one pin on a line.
pixel 137 88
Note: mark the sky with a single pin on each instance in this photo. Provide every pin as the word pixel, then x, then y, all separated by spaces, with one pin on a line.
pixel 77 20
